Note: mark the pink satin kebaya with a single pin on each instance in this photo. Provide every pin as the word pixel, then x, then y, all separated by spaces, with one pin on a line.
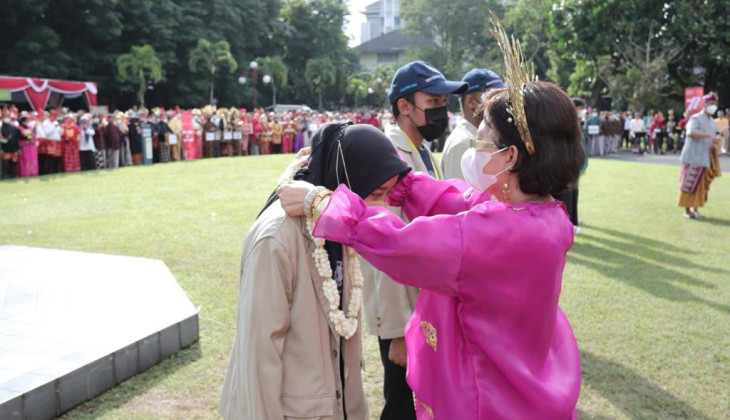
pixel 487 339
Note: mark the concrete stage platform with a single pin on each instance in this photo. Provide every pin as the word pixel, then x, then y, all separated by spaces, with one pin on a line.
pixel 74 324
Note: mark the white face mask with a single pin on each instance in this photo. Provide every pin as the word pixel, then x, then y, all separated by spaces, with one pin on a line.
pixel 472 166
pixel 711 109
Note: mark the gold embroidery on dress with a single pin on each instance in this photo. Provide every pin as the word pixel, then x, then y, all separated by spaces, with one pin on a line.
pixel 427 409
pixel 429 332
pixel 518 208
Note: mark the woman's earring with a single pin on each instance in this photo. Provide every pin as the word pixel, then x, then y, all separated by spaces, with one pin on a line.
pixel 506 193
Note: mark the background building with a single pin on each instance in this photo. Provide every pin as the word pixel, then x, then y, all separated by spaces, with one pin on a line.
pixel 381 17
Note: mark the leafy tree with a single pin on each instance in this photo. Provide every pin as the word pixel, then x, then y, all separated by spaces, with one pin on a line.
pixel 621 45
pixel 275 67
pixel 211 55
pixel 703 29
pixel 358 88
pixel 139 62
pixel 525 19
pixel 459 27
pixel 320 73
pixel 312 29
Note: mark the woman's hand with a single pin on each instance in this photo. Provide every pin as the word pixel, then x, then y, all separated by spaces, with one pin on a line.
pixel 292 196
pixel 397 352
pixel 303 155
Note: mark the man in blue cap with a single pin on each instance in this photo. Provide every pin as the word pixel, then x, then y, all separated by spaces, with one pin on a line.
pixel 480 81
pixel 418 96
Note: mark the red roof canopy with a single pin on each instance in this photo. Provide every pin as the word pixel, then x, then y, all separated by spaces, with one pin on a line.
pixel 37 91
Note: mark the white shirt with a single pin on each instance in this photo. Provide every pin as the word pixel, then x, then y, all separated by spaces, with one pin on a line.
pixel 48 130
pixel 637 125
pixel 86 142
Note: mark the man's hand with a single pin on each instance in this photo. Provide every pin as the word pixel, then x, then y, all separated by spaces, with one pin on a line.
pixel 397 352
pixel 292 196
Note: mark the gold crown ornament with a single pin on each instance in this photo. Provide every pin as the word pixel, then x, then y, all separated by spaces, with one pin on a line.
pixel 517 75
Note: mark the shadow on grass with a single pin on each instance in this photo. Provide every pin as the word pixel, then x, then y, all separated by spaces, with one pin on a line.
pixel 646 242
pixel 653 278
pixel 634 395
pixel 657 253
pixel 713 221
pixel 116 397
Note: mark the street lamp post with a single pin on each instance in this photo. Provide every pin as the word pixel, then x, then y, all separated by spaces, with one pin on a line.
pixel 253 66
pixel 270 79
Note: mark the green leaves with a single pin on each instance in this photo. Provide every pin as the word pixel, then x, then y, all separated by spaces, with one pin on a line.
pixel 275 67
pixel 141 62
pixel 210 55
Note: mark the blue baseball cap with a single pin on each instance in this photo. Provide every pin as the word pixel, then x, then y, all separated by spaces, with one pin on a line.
pixel 419 76
pixel 482 80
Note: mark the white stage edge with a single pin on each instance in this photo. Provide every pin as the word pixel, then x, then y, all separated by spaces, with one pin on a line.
pixel 74 324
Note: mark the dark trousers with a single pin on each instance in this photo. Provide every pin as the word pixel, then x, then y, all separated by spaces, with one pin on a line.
pixel 9 169
pixel 88 160
pixel 659 142
pixel 275 149
pixel 570 198
pixel 625 140
pixel 397 393
pixel 639 141
pixel 48 164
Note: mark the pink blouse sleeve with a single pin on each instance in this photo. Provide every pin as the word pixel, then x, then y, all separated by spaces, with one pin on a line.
pixel 420 195
pixel 416 254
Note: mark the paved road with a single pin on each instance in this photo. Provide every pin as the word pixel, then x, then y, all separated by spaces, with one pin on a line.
pixel 671 160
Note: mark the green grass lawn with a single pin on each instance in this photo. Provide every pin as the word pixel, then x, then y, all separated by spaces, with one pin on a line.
pixel 647 291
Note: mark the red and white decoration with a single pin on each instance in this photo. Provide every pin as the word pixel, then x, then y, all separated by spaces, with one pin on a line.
pixel 38 91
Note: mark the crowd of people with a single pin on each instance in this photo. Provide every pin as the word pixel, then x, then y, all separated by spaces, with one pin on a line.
pixel 54 141
pixel 643 132
pixel 57 140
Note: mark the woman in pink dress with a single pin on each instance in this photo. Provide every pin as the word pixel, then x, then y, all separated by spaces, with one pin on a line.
pixel 28 150
pixel 487 339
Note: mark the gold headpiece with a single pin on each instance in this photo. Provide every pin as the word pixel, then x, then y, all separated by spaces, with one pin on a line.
pixel 517 75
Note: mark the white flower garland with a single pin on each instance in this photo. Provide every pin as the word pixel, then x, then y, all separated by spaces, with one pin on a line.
pixel 345 325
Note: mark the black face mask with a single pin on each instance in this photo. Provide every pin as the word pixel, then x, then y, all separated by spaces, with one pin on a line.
pixel 437 119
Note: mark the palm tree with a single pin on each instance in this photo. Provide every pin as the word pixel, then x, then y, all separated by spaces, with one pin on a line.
pixel 380 81
pixel 136 64
pixel 210 54
pixel 276 69
pixel 320 72
pixel 357 87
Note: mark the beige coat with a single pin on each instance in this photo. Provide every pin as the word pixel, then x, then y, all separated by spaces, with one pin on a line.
pixel 285 362
pixel 456 145
pixel 389 305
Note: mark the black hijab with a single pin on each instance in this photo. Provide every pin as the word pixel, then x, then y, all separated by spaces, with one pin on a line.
pixel 359 156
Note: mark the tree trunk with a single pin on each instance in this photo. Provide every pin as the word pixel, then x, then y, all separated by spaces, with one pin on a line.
pixel 212 84
pixel 273 88
pixel 142 88
pixel 320 99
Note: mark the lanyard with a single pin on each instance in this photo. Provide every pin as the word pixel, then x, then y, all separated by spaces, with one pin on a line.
pixel 436 173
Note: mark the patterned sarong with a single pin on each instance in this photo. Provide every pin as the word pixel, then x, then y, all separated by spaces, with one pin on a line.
pixel 690 178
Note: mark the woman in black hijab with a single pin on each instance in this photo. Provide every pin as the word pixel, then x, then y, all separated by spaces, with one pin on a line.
pixel 290 357
pixel 360 156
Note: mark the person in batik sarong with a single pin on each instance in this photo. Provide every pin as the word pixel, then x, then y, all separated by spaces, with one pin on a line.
pixel 700 164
